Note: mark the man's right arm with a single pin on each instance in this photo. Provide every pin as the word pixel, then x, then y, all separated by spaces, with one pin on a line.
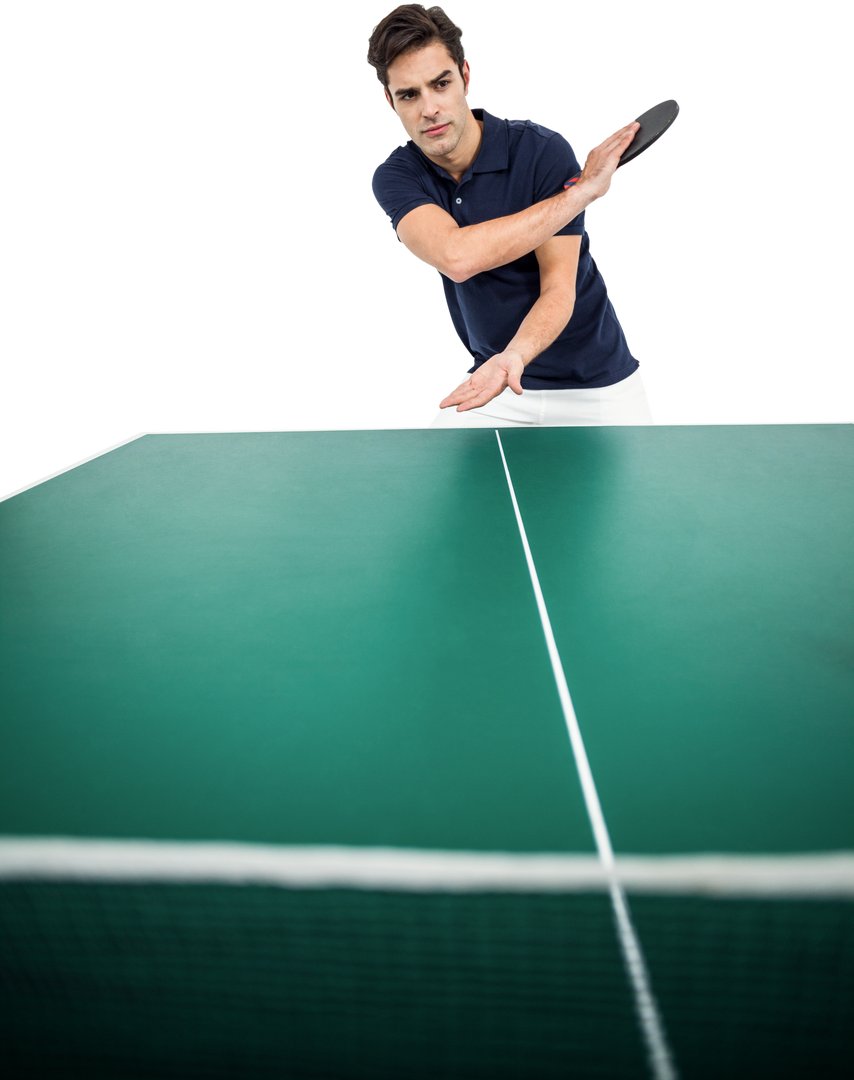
pixel 460 253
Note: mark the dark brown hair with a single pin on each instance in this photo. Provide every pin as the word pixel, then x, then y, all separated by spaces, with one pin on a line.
pixel 408 28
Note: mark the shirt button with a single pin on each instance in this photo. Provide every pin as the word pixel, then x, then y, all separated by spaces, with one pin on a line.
pixel 459 201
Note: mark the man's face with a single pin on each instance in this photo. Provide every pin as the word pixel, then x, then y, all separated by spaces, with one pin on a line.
pixel 428 93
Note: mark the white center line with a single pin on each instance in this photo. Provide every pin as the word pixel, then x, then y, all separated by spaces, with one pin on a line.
pixel 649 1018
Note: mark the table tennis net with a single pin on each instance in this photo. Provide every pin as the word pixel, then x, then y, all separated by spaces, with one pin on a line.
pixel 206 979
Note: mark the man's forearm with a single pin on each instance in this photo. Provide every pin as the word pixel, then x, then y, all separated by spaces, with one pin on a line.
pixel 476 248
pixel 543 323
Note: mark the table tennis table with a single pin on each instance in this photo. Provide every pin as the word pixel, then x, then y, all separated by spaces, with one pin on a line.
pixel 431 753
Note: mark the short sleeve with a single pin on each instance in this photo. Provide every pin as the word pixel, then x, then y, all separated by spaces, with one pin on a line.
pixel 558 163
pixel 398 190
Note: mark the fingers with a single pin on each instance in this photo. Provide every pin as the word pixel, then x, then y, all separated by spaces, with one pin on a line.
pixel 464 397
pixel 481 398
pixel 602 162
pixel 620 138
pixel 458 398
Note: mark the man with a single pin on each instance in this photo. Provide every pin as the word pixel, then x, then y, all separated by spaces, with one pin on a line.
pixel 485 202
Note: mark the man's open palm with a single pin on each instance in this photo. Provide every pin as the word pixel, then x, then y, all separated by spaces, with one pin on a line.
pixel 503 370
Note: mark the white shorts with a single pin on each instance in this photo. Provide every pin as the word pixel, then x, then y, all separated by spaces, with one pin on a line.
pixel 621 403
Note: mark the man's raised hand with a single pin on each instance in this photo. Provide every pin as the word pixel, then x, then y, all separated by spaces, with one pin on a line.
pixel 601 162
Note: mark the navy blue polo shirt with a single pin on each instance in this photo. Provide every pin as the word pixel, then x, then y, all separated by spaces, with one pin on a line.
pixel 519 164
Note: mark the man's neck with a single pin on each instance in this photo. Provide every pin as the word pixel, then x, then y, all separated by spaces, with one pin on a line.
pixel 458 174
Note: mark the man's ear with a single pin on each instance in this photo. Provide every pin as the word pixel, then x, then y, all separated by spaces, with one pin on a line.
pixel 388 97
pixel 466 75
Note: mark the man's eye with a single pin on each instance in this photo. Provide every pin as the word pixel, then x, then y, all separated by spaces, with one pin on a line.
pixel 443 83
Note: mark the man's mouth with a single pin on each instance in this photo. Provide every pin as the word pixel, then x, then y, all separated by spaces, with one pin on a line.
pixel 440 130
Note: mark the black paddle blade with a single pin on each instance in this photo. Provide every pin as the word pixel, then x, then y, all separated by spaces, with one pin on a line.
pixel 655 122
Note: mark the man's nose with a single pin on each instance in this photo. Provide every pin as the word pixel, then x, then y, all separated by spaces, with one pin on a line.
pixel 429 106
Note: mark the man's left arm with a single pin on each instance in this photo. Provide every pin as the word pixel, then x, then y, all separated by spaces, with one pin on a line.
pixel 558 259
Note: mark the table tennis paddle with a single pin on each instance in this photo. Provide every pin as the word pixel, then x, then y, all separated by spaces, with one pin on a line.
pixel 653 124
